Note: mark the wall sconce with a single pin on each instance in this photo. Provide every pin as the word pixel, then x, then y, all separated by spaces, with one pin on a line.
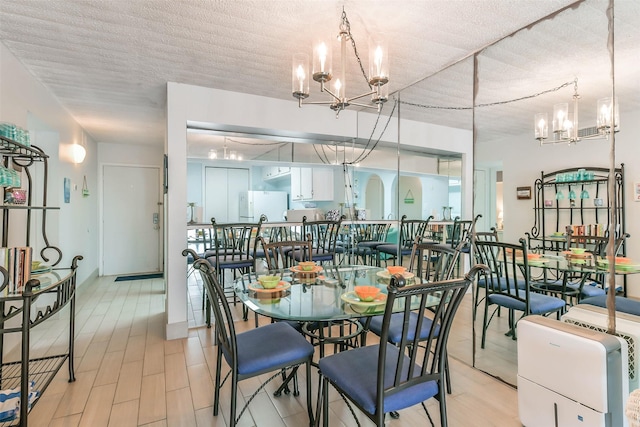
pixel 78 153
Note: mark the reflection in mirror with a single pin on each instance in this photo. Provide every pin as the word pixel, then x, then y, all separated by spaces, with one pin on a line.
pixel 445 99
pixel 358 178
pixel 531 67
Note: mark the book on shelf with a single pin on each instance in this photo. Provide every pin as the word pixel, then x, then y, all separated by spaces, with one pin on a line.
pixel 17 262
pixel 597 230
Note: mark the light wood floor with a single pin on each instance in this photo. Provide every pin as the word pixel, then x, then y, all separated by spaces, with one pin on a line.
pixel 128 375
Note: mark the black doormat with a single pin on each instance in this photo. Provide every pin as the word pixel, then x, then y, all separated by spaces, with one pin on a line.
pixel 139 277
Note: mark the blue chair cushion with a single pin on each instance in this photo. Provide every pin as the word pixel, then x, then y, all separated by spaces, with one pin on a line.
pixel 369 244
pixel 269 347
pixel 588 290
pixel 259 253
pixel 395 327
pixel 239 262
pixel 624 305
pixel 392 249
pixel 538 303
pixel 322 255
pixel 354 371
pixel 482 282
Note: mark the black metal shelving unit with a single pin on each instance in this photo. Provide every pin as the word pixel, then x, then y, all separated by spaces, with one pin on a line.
pixel 552 215
pixel 53 290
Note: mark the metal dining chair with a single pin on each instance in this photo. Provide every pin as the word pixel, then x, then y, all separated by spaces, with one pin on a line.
pixel 281 255
pixel 430 262
pixel 507 284
pixel 323 236
pixel 383 378
pixel 273 347
pixel 286 253
pixel 482 236
pixel 409 230
pixel 592 285
pixel 366 248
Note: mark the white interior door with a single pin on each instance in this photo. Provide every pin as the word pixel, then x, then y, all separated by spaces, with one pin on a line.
pixel 131 220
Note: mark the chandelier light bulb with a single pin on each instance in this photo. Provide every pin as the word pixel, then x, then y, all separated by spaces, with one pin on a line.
pixel 322 55
pixel 378 60
pixel 338 88
pixel 213 154
pixel 321 62
pixel 541 126
pixel 606 110
pixel 299 76
pixel 560 114
pixel 568 125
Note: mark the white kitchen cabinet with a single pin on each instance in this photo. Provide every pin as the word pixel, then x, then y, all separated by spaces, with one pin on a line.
pixel 313 184
pixel 275 172
pixel 322 187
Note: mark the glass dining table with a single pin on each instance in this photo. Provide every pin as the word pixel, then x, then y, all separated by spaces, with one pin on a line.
pixel 324 294
pixel 321 300
pixel 565 273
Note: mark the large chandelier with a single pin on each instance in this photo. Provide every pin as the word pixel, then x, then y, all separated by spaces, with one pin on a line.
pixel 322 72
pixel 565 128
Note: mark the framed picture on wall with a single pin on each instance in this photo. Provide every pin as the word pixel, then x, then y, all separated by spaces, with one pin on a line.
pixel 67 190
pixel 523 192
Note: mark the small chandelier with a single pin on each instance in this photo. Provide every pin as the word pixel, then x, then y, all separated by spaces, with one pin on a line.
pixel 226 153
pixel 323 73
pixel 566 129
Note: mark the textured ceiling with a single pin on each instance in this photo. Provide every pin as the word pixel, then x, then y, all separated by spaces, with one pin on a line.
pixel 108 62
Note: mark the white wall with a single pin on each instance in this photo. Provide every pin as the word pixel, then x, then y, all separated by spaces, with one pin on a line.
pixel 523 159
pixel 186 102
pixel 25 102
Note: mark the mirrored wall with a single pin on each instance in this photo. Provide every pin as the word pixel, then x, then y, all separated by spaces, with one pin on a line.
pixel 367 179
pixel 525 74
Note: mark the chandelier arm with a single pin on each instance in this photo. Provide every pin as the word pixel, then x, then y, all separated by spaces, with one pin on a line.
pixel 361 96
pixel 333 95
pixel 318 103
pixel 374 107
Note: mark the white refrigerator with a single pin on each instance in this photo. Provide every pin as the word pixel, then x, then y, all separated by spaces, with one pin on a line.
pixel 273 204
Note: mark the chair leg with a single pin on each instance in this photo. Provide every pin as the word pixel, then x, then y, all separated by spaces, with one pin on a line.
pixel 443 408
pixel 216 394
pixel 234 399
pixel 484 325
pixel 325 402
pixel 309 403
pixel 207 308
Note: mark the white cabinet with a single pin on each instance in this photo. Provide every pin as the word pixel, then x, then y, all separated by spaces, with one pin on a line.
pixel 314 184
pixel 274 172
pixel 322 187
pixel 301 184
